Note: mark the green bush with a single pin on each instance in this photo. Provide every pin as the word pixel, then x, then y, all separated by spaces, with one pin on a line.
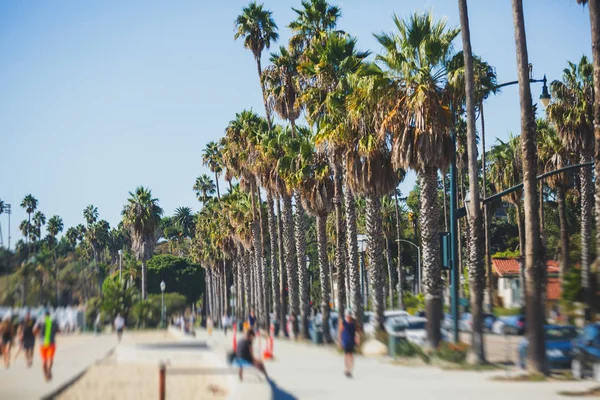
pixel 404 348
pixel 118 297
pixel 507 254
pixel 454 353
pixel 414 302
pixel 146 314
pixel 502 312
pixel 179 274
pixel 174 302
pixel 92 308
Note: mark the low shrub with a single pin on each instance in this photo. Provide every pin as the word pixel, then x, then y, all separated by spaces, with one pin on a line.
pixel 404 348
pixel 504 312
pixel 450 352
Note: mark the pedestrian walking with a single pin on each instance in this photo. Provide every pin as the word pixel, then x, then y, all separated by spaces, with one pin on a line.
pixel 245 355
pixel 27 337
pixel 47 329
pixel 7 334
pixel 348 340
pixel 225 323
pixel 119 326
pixel 209 325
pixel 252 320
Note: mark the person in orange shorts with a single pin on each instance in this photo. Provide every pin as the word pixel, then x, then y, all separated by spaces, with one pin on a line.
pixel 48 328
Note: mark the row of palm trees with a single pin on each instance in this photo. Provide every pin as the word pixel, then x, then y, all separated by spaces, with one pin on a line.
pixel 367 123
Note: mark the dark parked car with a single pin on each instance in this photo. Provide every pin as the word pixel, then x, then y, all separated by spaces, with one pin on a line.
pixel 559 346
pixel 586 353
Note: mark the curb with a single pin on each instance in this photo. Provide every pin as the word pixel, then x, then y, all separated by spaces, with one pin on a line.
pixel 74 379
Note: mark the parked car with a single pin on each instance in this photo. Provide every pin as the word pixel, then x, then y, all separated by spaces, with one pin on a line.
pixel 559 346
pixel 586 353
pixel 413 329
pixel 511 325
pixel 465 324
pixel 369 328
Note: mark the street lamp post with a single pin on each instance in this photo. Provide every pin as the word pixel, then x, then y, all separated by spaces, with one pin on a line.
pixel 163 286
pixel 232 301
pixel 417 277
pixel 455 213
pixel 120 264
pixel 362 247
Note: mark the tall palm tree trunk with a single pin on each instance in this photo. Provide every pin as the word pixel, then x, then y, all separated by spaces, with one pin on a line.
pixel 375 254
pixel 587 204
pixel 283 294
pixel 390 268
pixel 522 275
pixel 250 265
pixel 476 265
pixel 594 6
pixel 300 234
pixel 564 233
pixel 399 259
pixel 263 285
pixel 352 247
pixel 257 245
pixel 432 274
pixel 534 264
pixel 290 258
pixel 274 262
pixel 324 273
pixel 340 239
pixel 486 214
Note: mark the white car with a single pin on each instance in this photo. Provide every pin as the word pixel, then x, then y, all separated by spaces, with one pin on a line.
pixel 369 328
pixel 413 329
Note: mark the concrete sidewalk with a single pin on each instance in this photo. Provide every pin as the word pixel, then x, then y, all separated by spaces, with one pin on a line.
pixel 74 354
pixel 306 371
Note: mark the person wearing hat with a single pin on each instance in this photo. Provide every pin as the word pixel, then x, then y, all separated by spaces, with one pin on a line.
pixel 348 340
pixel 7 333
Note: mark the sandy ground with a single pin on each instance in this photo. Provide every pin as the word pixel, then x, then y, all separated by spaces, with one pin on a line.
pixel 111 380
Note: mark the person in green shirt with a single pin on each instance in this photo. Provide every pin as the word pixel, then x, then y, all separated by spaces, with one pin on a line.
pixel 47 328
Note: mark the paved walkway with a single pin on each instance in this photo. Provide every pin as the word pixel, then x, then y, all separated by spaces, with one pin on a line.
pixel 74 353
pixel 306 371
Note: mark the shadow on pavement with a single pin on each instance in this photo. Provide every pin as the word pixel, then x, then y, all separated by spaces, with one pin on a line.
pixel 279 393
pixel 196 345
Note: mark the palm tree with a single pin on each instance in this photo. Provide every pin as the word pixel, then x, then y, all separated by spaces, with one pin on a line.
pixel 184 218
pixel 39 220
pixel 595 32
pixel 369 166
pixel 415 57
pixel 316 188
pixel 553 156
pixel 212 157
pixel 572 112
pixel 313 20
pixel 90 214
pixel 485 84
pixel 281 86
pixel 327 66
pixel 257 26
pixel 29 203
pixel 204 188
pixel 72 236
pixel 534 262
pixel 55 226
pixel 141 215
pixel 476 266
pixel 506 172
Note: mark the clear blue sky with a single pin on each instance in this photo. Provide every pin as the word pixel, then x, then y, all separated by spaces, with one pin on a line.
pixel 98 97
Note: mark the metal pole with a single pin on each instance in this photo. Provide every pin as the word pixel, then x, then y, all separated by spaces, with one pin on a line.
pixel 162 371
pixel 162 308
pixel 419 269
pixel 454 267
pixel 121 266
